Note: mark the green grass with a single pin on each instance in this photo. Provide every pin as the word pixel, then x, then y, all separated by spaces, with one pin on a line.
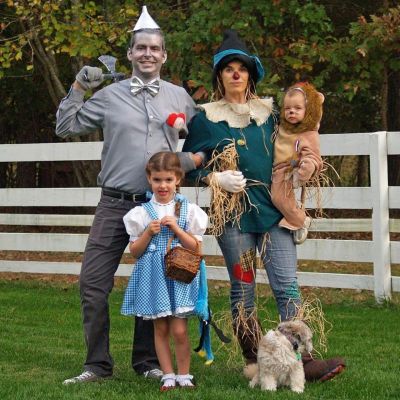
pixel 41 343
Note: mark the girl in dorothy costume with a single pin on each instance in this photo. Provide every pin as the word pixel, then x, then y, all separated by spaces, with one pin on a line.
pixel 150 294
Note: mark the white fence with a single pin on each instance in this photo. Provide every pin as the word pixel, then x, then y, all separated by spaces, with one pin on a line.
pixel 379 197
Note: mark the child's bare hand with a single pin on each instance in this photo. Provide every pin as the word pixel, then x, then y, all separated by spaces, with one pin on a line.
pixel 170 222
pixel 154 227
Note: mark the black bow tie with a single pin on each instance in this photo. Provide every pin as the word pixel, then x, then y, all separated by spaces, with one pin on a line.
pixel 138 86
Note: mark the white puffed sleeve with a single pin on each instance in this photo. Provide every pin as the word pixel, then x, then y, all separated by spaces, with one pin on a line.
pixel 136 220
pixel 197 221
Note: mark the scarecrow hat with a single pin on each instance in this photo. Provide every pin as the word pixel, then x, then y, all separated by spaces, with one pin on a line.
pixel 232 48
pixel 145 21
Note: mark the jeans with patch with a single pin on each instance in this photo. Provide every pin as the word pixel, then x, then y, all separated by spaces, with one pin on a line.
pixel 280 262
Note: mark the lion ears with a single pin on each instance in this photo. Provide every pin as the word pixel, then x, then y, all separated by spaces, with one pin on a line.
pixel 308 89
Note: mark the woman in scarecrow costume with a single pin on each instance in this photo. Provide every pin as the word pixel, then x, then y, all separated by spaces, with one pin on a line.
pixel 235 132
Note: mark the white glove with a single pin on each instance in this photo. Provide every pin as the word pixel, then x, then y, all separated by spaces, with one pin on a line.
pixel 89 77
pixel 231 181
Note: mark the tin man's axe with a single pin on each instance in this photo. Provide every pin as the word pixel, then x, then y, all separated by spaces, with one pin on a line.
pixel 109 62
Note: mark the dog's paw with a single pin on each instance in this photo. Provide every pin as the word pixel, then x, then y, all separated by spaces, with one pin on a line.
pixel 297 389
pixel 253 383
pixel 250 370
pixel 270 388
pixel 268 382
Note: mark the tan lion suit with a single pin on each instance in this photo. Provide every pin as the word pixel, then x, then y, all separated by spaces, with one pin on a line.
pixel 297 158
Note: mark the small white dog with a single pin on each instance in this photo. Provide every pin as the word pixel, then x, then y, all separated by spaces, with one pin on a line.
pixel 279 357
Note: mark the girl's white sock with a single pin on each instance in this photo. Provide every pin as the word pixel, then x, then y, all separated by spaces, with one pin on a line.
pixel 168 380
pixel 185 380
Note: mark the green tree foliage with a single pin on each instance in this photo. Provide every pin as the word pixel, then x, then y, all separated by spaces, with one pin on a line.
pixel 44 44
pixel 45 35
pixel 271 30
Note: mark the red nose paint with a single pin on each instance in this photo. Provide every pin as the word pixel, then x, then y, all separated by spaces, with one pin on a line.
pixel 236 75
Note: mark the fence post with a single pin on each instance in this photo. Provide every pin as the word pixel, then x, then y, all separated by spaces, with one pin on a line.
pixel 380 215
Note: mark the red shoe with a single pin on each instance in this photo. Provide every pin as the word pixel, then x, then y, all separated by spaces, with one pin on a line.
pixel 168 382
pixel 164 388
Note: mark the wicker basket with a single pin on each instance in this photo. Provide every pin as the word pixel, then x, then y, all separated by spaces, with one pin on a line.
pixel 182 264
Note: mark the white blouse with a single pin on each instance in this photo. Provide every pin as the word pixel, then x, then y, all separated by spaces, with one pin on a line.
pixel 137 219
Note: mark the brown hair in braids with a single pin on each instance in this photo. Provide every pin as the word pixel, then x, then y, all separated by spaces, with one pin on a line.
pixel 166 161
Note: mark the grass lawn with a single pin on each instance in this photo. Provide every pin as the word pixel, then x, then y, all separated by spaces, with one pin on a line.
pixel 41 344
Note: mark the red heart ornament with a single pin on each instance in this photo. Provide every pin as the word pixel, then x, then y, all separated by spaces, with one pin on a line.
pixel 172 118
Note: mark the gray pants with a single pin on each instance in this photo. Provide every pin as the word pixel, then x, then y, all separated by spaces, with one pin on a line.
pixel 105 246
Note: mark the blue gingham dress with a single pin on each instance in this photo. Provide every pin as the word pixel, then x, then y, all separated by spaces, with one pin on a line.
pixel 150 294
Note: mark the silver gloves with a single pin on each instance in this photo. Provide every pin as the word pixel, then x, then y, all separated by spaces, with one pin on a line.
pixel 89 77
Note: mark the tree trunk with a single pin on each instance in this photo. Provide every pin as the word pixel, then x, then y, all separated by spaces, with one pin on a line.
pixel 362 171
pixel 393 124
pixel 84 171
pixel 390 112
pixel 46 63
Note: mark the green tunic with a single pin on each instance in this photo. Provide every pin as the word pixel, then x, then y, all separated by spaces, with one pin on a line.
pixel 255 150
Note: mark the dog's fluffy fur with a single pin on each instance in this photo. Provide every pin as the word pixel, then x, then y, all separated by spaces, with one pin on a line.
pixel 278 363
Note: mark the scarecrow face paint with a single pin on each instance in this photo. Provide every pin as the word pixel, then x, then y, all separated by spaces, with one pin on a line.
pixel 235 78
pixel 147 55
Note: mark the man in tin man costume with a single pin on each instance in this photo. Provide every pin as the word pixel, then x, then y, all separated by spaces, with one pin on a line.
pixel 132 115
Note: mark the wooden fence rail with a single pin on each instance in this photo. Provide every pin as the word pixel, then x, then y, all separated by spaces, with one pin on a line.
pixel 379 198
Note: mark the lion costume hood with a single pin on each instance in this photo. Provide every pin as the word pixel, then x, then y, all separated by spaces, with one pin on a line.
pixel 313 115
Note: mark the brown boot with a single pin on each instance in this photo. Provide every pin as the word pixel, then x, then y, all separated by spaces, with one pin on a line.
pixel 248 334
pixel 322 370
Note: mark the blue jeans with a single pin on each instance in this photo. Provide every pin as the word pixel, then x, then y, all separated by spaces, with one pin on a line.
pixel 278 255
